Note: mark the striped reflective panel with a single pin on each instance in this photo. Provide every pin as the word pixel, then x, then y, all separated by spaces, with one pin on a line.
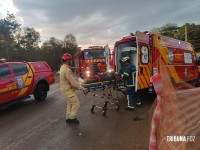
pixel 126 74
pixel 144 78
pixel 133 74
pixel 95 60
pixel 128 100
pixel 147 73
pixel 27 81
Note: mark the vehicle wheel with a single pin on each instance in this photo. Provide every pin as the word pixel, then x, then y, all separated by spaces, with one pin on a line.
pixel 117 108
pixel 105 105
pixel 40 93
pixel 104 111
pixel 92 108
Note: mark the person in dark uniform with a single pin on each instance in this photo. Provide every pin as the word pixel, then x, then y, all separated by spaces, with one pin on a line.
pixel 129 78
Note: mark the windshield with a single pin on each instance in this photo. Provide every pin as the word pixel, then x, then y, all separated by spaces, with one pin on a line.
pixel 95 54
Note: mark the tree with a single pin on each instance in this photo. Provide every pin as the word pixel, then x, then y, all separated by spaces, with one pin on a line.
pixel 155 30
pixel 21 44
pixel 193 34
pixel 52 52
pixel 169 29
pixel 8 28
pixel 70 40
pixel 172 30
pixel 70 45
pixel 28 39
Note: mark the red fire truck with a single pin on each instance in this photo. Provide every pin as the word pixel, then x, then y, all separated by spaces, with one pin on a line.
pixel 144 50
pixel 90 62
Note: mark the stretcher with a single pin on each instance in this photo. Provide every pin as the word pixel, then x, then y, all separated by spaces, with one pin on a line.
pixel 106 91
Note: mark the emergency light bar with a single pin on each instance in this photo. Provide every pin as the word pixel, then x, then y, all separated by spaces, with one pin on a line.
pixel 97 47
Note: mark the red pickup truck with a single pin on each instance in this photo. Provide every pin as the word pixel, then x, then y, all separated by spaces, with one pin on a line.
pixel 19 80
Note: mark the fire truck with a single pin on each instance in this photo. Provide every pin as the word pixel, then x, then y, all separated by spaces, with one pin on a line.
pixel 90 62
pixel 145 49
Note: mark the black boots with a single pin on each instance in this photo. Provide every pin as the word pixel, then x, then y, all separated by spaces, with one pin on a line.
pixel 130 108
pixel 75 120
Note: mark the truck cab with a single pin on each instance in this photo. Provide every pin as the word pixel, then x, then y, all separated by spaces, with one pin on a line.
pixel 90 62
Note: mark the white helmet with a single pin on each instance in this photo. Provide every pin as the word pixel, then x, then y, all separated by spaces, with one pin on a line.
pixel 126 59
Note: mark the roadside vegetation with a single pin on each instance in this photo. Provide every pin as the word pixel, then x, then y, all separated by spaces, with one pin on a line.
pixel 18 43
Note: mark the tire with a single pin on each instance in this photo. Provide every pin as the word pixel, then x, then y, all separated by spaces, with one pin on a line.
pixel 117 108
pixel 40 92
pixel 104 111
pixel 92 109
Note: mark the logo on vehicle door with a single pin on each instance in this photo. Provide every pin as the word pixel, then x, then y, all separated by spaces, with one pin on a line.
pixel 20 82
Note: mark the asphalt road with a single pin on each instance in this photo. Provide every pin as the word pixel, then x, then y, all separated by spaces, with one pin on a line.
pixel 31 125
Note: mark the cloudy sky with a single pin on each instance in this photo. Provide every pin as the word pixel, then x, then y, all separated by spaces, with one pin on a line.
pixel 99 22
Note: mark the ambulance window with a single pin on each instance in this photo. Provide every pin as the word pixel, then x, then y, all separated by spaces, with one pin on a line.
pixel 19 69
pixel 144 54
pixel 187 58
pixel 4 72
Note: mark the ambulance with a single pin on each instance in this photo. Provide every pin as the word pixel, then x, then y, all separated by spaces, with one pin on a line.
pixel 90 62
pixel 146 49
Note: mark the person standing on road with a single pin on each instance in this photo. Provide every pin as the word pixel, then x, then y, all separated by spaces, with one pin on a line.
pixel 68 85
pixel 129 78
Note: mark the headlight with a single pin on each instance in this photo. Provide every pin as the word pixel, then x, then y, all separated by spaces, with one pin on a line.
pixel 87 72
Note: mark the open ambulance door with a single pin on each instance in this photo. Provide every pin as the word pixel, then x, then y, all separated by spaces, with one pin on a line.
pixel 143 66
pixel 107 53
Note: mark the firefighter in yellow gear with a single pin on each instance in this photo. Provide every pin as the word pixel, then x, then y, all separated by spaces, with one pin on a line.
pixel 69 85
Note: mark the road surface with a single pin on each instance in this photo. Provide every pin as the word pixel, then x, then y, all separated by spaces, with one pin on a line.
pixel 31 125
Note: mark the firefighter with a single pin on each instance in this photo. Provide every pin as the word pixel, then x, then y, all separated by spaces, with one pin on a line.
pixel 68 85
pixel 129 78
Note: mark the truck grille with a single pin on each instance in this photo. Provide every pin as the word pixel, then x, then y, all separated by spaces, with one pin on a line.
pixel 95 68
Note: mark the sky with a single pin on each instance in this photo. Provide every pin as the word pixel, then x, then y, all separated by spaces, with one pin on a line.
pixel 99 22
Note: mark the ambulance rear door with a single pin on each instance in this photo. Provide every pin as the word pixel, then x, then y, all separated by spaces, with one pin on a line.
pixel 143 61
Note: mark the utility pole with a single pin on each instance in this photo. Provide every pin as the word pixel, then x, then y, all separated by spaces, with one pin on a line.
pixel 186 39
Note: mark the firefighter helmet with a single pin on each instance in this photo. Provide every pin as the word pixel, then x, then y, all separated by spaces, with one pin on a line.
pixel 127 59
pixel 66 57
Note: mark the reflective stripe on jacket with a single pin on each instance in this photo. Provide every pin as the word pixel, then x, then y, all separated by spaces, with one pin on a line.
pixel 68 83
pixel 129 75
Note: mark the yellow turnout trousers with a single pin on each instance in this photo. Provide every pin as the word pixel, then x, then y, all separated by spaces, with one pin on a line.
pixel 73 105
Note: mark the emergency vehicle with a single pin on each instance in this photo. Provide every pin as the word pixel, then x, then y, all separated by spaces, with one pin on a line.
pixel 144 50
pixel 90 62
pixel 19 80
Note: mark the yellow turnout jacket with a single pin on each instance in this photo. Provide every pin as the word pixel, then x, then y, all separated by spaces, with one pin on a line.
pixel 68 83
